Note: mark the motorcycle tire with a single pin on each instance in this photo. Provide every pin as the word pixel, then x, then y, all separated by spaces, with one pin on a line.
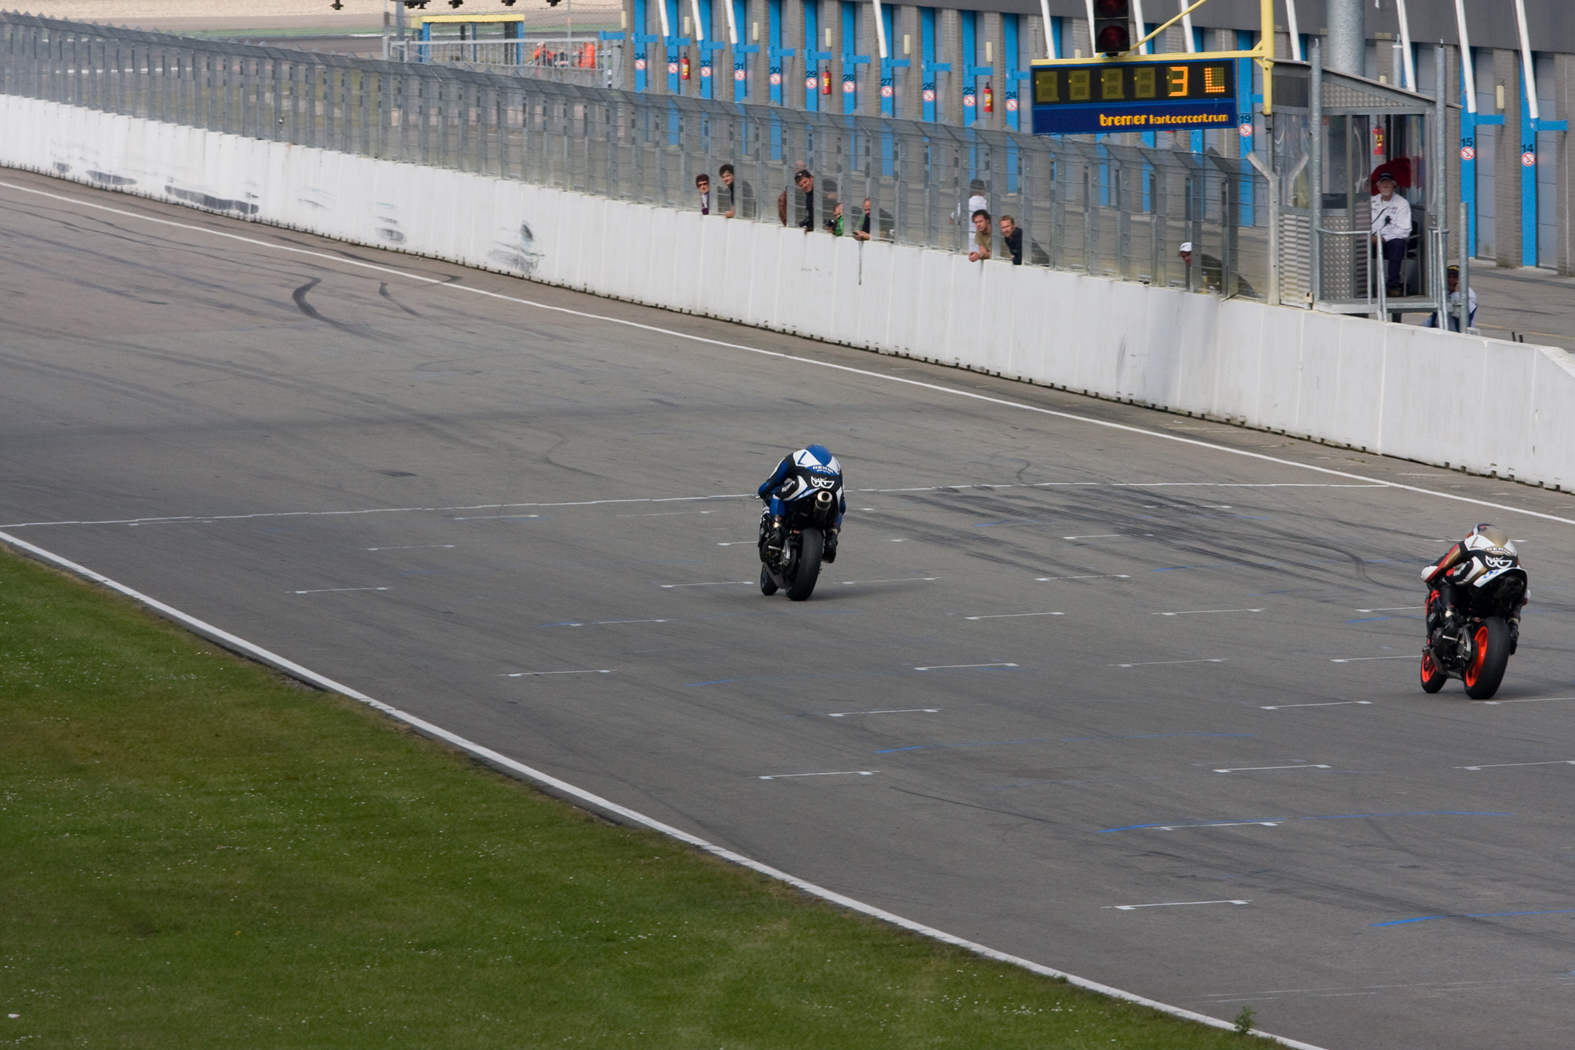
pixel 1486 669
pixel 768 586
pixel 1432 678
pixel 807 569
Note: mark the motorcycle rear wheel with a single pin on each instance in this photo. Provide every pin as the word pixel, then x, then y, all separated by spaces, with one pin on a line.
pixel 1432 678
pixel 807 569
pixel 1491 656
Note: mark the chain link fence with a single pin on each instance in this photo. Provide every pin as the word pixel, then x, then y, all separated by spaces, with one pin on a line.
pixel 1104 208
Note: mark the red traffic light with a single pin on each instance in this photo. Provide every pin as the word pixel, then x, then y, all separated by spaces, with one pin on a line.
pixel 1112 26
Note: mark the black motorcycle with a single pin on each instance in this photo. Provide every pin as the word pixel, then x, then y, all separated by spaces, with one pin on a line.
pixel 811 500
pixel 1489 588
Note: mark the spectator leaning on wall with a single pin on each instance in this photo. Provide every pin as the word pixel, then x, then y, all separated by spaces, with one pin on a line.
pixel 863 232
pixel 703 184
pixel 1012 237
pixel 806 185
pixel 736 198
pixel 981 236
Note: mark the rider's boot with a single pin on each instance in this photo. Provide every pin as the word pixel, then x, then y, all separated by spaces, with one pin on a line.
pixel 829 552
pixel 776 536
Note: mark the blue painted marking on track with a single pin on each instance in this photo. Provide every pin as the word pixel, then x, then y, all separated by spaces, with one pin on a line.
pixel 987 524
pixel 1478 915
pixel 1184 823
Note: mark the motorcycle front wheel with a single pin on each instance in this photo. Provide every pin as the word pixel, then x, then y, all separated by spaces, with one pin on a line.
pixel 768 586
pixel 1432 678
pixel 807 568
pixel 1489 657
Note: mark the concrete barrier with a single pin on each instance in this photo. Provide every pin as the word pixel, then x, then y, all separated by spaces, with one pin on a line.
pixel 1482 405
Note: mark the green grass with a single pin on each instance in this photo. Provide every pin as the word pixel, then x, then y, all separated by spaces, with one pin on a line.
pixel 195 852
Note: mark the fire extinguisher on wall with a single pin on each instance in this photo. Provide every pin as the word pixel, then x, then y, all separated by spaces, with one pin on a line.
pixel 989 98
pixel 825 81
pixel 683 68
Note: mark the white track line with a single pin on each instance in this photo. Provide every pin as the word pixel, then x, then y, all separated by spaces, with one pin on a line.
pixel 564 788
pixel 841 773
pixel 1256 769
pixel 1327 703
pixel 888 711
pixel 948 667
pixel 1168 904
pixel 849 369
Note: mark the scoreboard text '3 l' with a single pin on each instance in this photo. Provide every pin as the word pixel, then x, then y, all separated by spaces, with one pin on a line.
pixel 1133 96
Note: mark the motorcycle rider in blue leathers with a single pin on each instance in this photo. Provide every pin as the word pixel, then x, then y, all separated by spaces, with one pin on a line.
pixel 791 473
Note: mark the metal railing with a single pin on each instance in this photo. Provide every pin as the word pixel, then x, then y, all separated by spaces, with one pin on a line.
pixel 588 63
pixel 1101 208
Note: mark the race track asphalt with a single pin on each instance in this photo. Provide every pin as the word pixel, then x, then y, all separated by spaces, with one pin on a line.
pixel 1068 687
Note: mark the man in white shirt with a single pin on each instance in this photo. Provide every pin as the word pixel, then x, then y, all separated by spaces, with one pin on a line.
pixel 1391 229
pixel 1453 312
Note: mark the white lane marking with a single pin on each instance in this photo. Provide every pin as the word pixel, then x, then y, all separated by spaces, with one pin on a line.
pixel 1219 824
pixel 1205 612
pixel 600 622
pixel 496 517
pixel 843 773
pixel 1256 769
pixel 1161 663
pixel 663 513
pixel 738 543
pixel 1111 576
pixel 445 283
pixel 905 579
pixel 1328 703
pixel 948 667
pixel 1395 608
pixel 1100 536
pixel 714 583
pixel 533 674
pixel 596 623
pixel 1358 659
pixel 1511 765
pixel 487 754
pixel 1168 904
pixel 888 711
pixel 205 519
pixel 899 541
pixel 413 547
pixel 335 590
pixel 1008 616
pixel 1526 700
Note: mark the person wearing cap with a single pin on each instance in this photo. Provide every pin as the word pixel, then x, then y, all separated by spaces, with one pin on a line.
pixel 1453 311
pixel 1391 230
pixel 806 184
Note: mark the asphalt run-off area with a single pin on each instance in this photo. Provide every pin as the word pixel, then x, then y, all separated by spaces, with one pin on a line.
pixel 1124 693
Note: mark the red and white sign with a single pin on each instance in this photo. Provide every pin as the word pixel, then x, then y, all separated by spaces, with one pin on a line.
pixel 639 63
pixel 1529 159
pixel 847 87
pixel 776 79
pixel 738 74
pixel 705 71
pixel 1468 153
pixel 809 82
pixel 885 91
pixel 672 67
pixel 968 100
pixel 929 94
pixel 1246 131
pixel 1011 105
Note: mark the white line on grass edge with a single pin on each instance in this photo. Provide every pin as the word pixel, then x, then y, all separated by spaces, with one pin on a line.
pixel 938 388
pixel 295 670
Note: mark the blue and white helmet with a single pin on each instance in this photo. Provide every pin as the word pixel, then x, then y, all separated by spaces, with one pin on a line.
pixel 817 459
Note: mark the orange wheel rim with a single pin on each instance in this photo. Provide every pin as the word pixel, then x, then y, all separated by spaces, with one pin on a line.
pixel 1428 670
pixel 1479 658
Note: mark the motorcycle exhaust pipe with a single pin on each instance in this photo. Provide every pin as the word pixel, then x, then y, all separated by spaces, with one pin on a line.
pixel 822 504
